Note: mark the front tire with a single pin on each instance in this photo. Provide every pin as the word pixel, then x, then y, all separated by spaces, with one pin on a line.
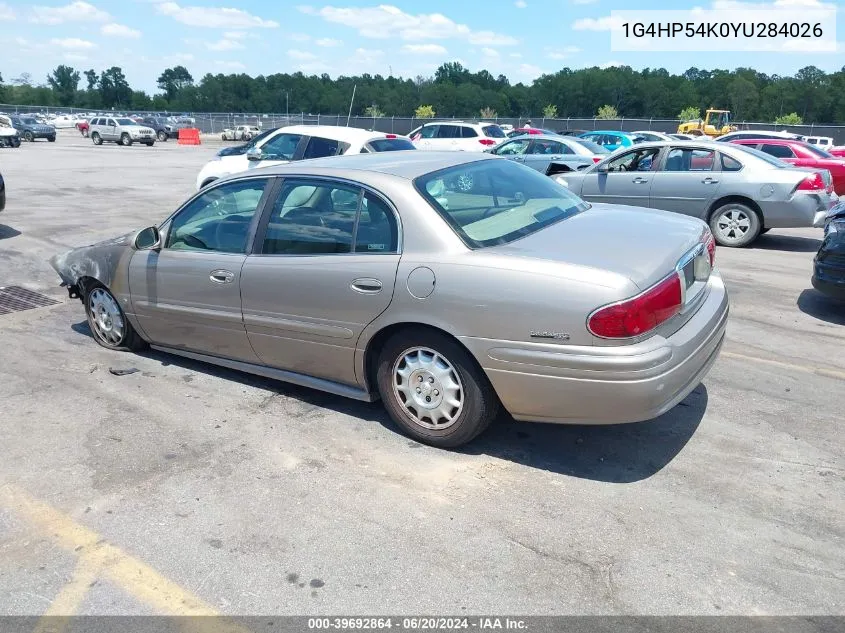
pixel 108 323
pixel 433 390
pixel 735 224
pixel 51 139
pixel 162 136
pixel 125 140
pixel 96 139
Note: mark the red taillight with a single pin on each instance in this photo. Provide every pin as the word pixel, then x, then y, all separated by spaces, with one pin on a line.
pixel 487 141
pixel 814 182
pixel 639 314
pixel 596 159
pixel 710 245
pixel 389 136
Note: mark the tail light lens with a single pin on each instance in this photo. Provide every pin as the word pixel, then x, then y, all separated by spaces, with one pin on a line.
pixel 639 314
pixel 596 159
pixel 487 141
pixel 813 182
pixel 710 245
pixel 389 136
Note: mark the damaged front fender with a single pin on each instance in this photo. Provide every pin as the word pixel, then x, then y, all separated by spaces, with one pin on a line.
pixel 106 263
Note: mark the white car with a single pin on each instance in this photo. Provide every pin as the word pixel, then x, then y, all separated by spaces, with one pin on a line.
pixel 751 134
pixel 64 121
pixel 300 142
pixel 651 135
pixel 458 136
pixel 824 142
pixel 241 133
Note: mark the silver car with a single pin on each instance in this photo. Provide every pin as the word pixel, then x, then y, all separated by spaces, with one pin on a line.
pixel 550 154
pixel 374 276
pixel 739 192
pixel 120 130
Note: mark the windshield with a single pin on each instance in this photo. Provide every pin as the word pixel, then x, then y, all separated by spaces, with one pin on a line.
pixel 595 148
pixel 818 151
pixel 263 135
pixel 774 162
pixel 126 122
pixel 493 202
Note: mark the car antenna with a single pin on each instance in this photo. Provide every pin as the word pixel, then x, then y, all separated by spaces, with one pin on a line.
pixel 350 105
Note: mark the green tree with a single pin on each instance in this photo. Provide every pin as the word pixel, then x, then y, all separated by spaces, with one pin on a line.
pixel 373 111
pixel 114 89
pixel 92 78
pixel 64 81
pixel 424 112
pixel 550 111
pixel 689 113
pixel 789 119
pixel 174 80
pixel 607 112
pixel 488 113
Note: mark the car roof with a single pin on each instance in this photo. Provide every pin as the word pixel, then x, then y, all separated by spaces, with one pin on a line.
pixel 334 132
pixel 408 164
pixel 770 141
pixel 616 132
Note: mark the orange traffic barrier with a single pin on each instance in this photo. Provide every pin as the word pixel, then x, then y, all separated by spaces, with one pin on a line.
pixel 189 136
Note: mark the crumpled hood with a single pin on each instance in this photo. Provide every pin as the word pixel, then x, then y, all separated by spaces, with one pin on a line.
pixel 99 260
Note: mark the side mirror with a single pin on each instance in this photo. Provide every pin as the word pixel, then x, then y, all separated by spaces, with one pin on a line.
pixel 253 153
pixel 147 239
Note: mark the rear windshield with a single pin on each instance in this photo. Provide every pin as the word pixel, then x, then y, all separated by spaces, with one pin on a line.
pixel 595 148
pixel 492 202
pixel 493 131
pixel 818 151
pixel 390 144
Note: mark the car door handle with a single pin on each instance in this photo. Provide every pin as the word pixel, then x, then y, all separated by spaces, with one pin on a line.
pixel 639 181
pixel 221 276
pixel 710 181
pixel 366 286
pixel 554 157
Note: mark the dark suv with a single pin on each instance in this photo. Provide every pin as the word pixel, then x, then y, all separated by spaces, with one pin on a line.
pixel 163 129
pixel 30 129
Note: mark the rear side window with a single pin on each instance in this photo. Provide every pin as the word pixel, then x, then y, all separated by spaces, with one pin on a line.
pixel 449 131
pixel 730 164
pixel 468 132
pixel 493 131
pixel 389 145
pixel 595 148
pixel 778 151
pixel 319 147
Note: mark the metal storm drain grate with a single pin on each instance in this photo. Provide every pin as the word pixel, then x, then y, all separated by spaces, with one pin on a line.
pixel 16 299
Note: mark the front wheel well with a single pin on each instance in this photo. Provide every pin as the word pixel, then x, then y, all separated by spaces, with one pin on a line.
pixel 748 202
pixel 377 342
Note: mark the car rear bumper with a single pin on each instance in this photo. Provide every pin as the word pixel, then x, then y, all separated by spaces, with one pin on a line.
pixel 804 209
pixel 606 385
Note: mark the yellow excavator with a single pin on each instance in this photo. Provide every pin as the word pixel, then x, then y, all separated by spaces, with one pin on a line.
pixel 715 123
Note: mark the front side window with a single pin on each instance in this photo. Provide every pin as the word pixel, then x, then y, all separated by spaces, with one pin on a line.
pixel 429 131
pixel 219 219
pixel 640 160
pixel 493 202
pixel 281 147
pixel 683 159
pixel 778 151
pixel 513 148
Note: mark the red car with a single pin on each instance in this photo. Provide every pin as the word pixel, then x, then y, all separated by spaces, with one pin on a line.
pixel 837 151
pixel 82 126
pixel 802 154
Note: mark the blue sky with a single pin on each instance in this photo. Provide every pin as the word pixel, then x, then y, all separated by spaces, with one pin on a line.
pixel 519 38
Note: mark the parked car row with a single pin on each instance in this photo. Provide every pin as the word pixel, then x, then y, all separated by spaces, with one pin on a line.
pixel 28 128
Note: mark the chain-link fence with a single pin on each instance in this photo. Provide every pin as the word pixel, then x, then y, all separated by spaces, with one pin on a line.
pixel 216 122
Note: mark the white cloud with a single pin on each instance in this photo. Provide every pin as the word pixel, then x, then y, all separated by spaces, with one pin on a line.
pixel 300 37
pixel 239 35
pixel 213 17
pixel 301 55
pixel 224 45
pixel 606 23
pixel 530 71
pixel 366 55
pixel 520 4
pixel 120 30
pixel 425 49
pixel 387 22
pixel 516 55
pixel 490 52
pixel 74 12
pixel 6 13
pixel 74 57
pixel 73 43
pixel 229 65
pixel 328 42
pixel 562 53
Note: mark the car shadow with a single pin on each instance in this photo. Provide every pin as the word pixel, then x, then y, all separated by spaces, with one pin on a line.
pixel 819 306
pixel 790 243
pixel 7 231
pixel 619 453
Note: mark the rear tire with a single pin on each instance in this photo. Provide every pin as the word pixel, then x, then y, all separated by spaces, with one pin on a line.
pixel 432 388
pixel 28 137
pixel 735 225
pixel 108 323
pixel 96 139
pixel 125 140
